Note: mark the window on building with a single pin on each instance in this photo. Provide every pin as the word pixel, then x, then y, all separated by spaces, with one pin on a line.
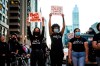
pixel 14 2
pixel 6 20
pixel 3 2
pixel 6 4
pixel 0 30
pixel 14 20
pixel 14 14
pixel 0 7
pixel 3 19
pixel 14 8
pixel 4 31
pixel 0 16
pixel 14 26
pixel 3 10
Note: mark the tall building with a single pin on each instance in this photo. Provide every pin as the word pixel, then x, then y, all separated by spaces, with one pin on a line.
pixel 3 17
pixel 33 6
pixel 75 17
pixel 17 18
pixel 68 29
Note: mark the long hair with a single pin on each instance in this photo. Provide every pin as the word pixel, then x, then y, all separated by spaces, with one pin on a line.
pixel 76 29
pixel 92 31
pixel 34 30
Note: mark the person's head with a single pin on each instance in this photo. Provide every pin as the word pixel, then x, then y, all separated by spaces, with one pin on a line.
pixel 55 28
pixel 77 32
pixel 98 26
pixel 2 38
pixel 14 36
pixel 91 31
pixel 36 31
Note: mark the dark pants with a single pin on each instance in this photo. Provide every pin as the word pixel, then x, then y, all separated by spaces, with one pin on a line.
pixel 37 58
pixel 2 61
pixel 45 59
pixel 56 58
pixel 8 61
pixel 13 60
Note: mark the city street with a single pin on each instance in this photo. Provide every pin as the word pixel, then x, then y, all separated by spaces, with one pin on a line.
pixel 49 30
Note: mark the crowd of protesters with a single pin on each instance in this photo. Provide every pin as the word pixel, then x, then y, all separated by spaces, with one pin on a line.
pixel 80 50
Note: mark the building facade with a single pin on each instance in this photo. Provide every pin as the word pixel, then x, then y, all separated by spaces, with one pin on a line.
pixel 3 17
pixel 68 29
pixel 17 18
pixel 75 17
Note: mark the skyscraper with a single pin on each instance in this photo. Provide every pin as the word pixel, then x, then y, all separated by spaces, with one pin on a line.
pixel 17 18
pixel 33 8
pixel 3 17
pixel 75 17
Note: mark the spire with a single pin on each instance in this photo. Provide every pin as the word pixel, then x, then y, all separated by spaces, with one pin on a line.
pixel 75 9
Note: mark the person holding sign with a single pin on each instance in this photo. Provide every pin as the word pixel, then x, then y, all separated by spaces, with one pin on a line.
pixel 36 45
pixel 56 52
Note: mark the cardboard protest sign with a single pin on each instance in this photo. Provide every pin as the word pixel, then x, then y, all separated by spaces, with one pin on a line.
pixel 56 10
pixel 35 17
pixel 70 35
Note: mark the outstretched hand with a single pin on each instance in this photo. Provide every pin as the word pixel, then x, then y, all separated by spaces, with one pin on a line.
pixel 62 15
pixel 42 19
pixel 50 14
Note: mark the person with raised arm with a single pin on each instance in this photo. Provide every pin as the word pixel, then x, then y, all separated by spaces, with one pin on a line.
pixel 36 44
pixel 56 53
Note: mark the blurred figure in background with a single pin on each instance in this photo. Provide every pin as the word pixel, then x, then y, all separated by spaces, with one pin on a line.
pixel 4 49
pixel 92 55
pixel 96 44
pixel 44 47
pixel 14 47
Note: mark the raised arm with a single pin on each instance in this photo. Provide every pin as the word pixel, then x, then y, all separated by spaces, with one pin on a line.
pixel 50 28
pixel 63 28
pixel 43 27
pixel 29 31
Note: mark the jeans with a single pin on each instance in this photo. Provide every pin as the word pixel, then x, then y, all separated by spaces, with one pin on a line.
pixel 98 61
pixel 78 58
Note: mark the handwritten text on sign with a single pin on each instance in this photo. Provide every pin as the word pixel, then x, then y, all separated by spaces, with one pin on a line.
pixel 35 17
pixel 57 10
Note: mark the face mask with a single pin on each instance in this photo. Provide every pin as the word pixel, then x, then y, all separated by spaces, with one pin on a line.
pixel 36 33
pixel 77 33
pixel 13 38
pixel 56 30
